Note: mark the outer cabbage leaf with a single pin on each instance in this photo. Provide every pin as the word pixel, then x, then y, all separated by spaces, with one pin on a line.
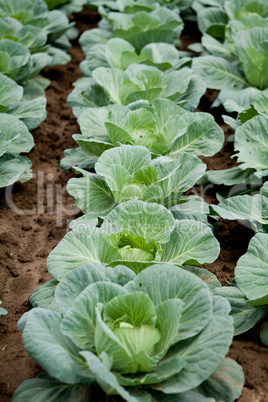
pixel 226 383
pixel 106 379
pixel 259 106
pixel 35 64
pixel 251 272
pixel 235 99
pixel 199 364
pixel 191 207
pixel 92 121
pixel 51 390
pixel 244 316
pixel 215 47
pixel 31 112
pixel 14 136
pixel 55 23
pixel 44 296
pixel 217 72
pixel 75 6
pixel 129 173
pixel 260 103
pixel 191 242
pixel 41 332
pixel 229 177
pixel 35 87
pixel 91 194
pixel 10 93
pixel 164 56
pixel 78 248
pixel 86 94
pixel 203 136
pixel 244 207
pixel 13 57
pixel 77 157
pixel 13 168
pixel 130 6
pixel 251 145
pixel 210 279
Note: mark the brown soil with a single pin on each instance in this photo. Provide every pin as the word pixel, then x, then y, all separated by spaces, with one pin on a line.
pixel 26 240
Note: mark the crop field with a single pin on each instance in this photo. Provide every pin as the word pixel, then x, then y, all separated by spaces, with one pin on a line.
pixel 134 200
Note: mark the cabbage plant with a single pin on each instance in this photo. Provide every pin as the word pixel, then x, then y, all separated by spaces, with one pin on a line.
pixel 138 28
pixel 129 172
pixel 119 53
pixel 243 76
pixel 151 336
pixel 234 36
pixel 142 28
pixel 164 129
pixel 138 85
pixel 136 232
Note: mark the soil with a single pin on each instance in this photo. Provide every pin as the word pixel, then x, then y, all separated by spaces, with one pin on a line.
pixel 43 210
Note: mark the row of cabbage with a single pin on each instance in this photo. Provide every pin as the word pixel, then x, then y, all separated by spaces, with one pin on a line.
pixel 234 60
pixel 229 22
pixel 128 309
pixel 32 36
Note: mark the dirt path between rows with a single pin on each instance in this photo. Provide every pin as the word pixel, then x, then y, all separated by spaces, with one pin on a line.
pixel 36 215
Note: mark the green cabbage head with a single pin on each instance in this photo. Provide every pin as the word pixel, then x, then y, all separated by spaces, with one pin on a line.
pixel 138 336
